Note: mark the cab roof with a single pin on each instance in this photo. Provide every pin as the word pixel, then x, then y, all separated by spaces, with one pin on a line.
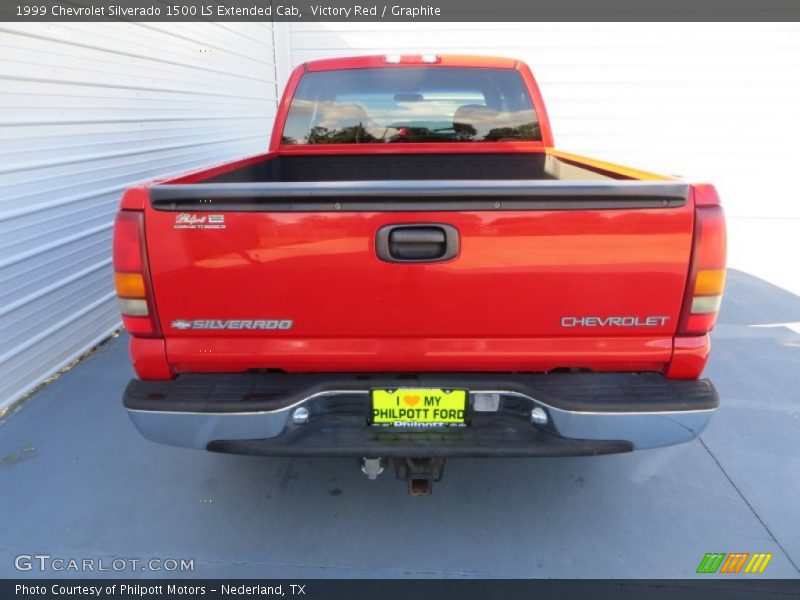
pixel 411 60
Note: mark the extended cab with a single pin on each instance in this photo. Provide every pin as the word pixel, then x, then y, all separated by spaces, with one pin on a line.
pixel 413 271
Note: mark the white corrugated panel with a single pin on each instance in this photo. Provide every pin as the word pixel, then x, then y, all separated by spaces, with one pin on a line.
pixel 86 110
pixel 710 101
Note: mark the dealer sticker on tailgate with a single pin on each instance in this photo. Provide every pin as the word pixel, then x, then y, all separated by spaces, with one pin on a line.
pixel 419 407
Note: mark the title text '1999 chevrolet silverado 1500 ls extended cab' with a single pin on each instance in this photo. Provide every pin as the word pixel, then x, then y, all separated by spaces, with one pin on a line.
pixel 414 272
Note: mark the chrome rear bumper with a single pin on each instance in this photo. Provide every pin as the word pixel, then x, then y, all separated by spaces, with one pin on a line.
pixel 637 410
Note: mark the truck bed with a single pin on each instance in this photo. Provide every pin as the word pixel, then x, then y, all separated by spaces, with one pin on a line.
pixel 401 182
pixel 398 167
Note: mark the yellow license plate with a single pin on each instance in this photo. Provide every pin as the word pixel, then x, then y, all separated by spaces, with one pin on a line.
pixel 420 407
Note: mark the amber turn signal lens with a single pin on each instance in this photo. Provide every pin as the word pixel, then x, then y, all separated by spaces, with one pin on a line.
pixel 129 285
pixel 709 281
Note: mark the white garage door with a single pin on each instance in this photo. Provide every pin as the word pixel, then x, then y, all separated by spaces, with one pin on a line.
pixel 86 110
pixel 716 102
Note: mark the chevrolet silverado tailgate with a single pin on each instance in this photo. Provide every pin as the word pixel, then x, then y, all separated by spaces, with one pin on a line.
pixel 419 275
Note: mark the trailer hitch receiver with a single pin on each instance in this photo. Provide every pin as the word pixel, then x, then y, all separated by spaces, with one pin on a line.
pixel 420 473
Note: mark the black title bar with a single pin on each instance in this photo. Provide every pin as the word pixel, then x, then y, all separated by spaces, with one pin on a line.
pixel 32 11
pixel 714 588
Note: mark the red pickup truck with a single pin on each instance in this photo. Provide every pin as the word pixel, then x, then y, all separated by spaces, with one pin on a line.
pixel 413 272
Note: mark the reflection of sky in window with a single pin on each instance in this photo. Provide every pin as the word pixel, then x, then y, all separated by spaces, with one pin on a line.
pixel 384 110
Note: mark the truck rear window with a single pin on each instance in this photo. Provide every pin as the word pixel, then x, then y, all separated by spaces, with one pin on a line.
pixel 411 104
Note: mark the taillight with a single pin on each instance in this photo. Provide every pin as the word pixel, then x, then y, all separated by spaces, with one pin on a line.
pixel 131 275
pixel 707 271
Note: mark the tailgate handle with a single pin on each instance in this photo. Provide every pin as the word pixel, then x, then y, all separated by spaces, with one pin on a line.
pixel 417 242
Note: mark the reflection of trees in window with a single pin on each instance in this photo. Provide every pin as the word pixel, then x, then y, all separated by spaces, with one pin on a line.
pixel 344 135
pixel 526 131
pixel 464 132
pixel 288 140
pixel 417 134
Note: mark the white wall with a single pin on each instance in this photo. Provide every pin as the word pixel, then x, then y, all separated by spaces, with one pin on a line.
pixel 716 102
pixel 86 110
